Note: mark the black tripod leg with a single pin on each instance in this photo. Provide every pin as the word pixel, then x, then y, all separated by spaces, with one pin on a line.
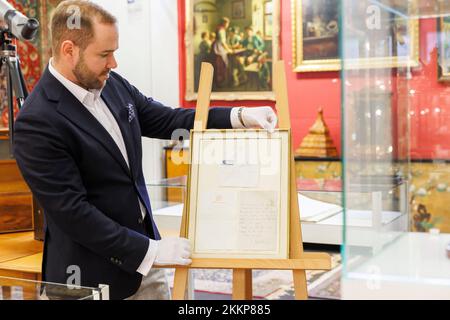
pixel 22 81
pixel 10 109
pixel 17 80
pixel 17 88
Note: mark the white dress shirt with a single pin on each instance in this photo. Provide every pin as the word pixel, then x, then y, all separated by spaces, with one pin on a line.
pixel 93 101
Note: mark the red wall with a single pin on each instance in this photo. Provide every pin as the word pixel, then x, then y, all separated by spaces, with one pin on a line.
pixel 309 91
pixel 430 132
pixel 430 104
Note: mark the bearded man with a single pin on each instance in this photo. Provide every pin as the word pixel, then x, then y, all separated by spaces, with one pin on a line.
pixel 78 146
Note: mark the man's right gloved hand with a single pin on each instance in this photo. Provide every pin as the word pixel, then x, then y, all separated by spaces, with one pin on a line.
pixel 173 251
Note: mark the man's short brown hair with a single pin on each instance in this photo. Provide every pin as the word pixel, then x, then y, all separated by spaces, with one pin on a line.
pixel 74 20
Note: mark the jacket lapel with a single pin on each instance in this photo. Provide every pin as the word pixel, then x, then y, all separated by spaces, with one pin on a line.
pixel 120 112
pixel 74 111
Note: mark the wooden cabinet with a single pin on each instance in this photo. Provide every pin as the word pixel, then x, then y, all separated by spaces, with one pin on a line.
pixel 16 213
pixel 177 165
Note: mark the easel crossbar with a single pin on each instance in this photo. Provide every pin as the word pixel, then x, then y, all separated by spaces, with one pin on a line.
pixel 318 261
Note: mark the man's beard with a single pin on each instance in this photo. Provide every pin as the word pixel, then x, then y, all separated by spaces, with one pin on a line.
pixel 86 77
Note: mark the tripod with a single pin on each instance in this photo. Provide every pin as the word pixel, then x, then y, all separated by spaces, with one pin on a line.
pixel 16 86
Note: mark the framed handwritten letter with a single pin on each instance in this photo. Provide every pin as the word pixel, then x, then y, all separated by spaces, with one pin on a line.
pixel 238 196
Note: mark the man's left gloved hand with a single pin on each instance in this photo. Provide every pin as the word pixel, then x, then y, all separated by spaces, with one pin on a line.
pixel 256 118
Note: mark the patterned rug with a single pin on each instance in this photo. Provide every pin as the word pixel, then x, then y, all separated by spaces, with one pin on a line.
pixel 269 284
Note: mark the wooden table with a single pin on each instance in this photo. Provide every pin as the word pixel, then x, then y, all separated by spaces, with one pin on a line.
pixel 21 259
pixel 20 256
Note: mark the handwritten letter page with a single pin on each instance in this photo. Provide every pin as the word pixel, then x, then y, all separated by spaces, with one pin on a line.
pixel 239 196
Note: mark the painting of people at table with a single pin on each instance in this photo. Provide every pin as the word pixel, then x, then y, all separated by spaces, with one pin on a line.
pixel 235 36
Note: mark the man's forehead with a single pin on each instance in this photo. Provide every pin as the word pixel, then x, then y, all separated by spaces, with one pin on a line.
pixel 105 31
pixel 106 35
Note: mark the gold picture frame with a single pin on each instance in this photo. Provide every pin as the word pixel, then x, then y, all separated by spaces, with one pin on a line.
pixel 202 16
pixel 444 49
pixel 238 9
pixel 239 217
pixel 329 40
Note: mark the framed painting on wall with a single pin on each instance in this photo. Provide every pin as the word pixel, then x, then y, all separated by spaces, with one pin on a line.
pixel 238 9
pixel 317 36
pixel 444 48
pixel 242 46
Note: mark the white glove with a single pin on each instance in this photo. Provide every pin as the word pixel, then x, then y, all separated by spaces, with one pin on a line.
pixel 173 251
pixel 257 118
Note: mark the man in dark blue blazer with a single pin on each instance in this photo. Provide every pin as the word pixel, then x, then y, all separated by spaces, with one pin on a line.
pixel 78 146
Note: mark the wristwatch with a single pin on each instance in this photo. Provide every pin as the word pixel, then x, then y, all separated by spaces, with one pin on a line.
pixel 240 116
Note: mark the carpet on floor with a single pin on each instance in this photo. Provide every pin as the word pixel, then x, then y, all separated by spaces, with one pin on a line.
pixel 270 284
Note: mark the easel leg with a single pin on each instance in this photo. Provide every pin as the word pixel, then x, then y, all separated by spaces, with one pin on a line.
pixel 242 284
pixel 191 285
pixel 300 285
pixel 180 283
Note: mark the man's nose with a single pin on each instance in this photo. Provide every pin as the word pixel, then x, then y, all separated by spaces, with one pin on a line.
pixel 112 62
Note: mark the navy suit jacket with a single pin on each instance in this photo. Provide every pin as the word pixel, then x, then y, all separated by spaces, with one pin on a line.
pixel 80 178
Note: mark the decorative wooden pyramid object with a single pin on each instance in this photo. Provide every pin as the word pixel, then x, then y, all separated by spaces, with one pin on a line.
pixel 318 142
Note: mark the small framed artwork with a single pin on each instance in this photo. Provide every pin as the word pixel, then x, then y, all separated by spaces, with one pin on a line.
pixel 444 48
pixel 318 35
pixel 238 9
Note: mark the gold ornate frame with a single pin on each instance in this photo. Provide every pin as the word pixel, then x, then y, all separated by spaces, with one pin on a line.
pixel 443 76
pixel 301 65
pixel 191 95
pixel 197 161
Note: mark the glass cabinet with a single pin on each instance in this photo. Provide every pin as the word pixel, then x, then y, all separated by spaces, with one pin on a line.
pixel 382 207
pixel 21 289
pixel 167 198
pixel 395 57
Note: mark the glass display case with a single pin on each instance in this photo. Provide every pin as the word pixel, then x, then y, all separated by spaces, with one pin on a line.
pixel 167 199
pixel 395 57
pixel 320 204
pixel 21 289
pixel 381 207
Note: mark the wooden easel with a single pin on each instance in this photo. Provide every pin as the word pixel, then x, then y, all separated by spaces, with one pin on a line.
pixel 298 261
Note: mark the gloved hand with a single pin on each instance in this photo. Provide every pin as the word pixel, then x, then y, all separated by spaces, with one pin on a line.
pixel 258 118
pixel 173 251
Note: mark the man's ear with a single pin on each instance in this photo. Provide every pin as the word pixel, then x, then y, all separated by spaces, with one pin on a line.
pixel 69 51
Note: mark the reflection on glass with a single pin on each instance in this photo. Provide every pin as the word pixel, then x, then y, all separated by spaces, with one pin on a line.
pixel 396 138
pixel 21 289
